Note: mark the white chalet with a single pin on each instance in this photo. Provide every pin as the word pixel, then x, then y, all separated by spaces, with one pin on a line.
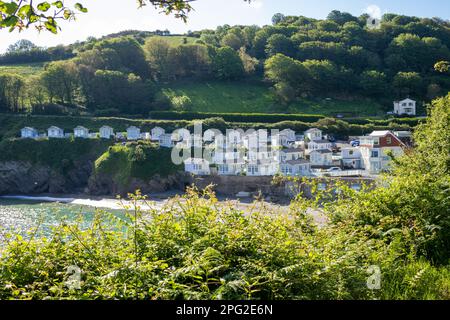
pixel 314 134
pixel 231 168
pixel 290 134
pixel 81 132
pixel 405 107
pixel 29 132
pixel 289 154
pixel 280 140
pixel 197 166
pixel 106 132
pixel 321 158
pixel 167 140
pixel 156 132
pixel 133 133
pixel 351 158
pixel 55 132
pixel 319 145
pixel 262 168
pixel 300 167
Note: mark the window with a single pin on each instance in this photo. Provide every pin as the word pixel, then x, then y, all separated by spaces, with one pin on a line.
pixel 376 141
pixel 375 154
pixel 389 140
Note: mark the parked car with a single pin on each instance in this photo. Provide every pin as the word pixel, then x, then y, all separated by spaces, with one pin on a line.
pixel 355 143
pixel 340 116
pixel 334 169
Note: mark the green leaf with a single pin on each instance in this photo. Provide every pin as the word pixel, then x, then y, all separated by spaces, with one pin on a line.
pixel 8 8
pixel 25 11
pixel 80 7
pixel 10 21
pixel 58 4
pixel 44 6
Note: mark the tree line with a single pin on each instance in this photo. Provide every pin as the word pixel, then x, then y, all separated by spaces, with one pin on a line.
pixel 301 57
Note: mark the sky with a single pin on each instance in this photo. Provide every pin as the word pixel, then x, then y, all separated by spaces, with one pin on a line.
pixel 110 16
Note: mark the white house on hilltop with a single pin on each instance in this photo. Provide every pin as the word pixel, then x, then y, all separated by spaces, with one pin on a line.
pixel 29 132
pixel 133 133
pixel 81 132
pixel 405 107
pixel 106 132
pixel 55 132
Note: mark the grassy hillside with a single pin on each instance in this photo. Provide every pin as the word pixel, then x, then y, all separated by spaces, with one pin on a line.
pixel 135 160
pixel 23 69
pixel 177 40
pixel 253 97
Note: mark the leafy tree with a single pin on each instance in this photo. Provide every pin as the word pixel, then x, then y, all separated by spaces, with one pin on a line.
pixel 279 43
pixel 227 64
pixel 60 78
pixel 12 89
pixel 290 76
pixel 234 39
pixel 130 54
pixel 407 83
pixel 374 83
pixel 157 53
pixel 189 61
pixel 341 17
pixel 278 18
pixel 21 46
pixel 249 63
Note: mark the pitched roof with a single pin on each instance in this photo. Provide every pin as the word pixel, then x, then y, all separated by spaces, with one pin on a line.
pixel 324 141
pixel 292 150
pixel 312 130
pixel 380 133
pixel 323 151
pixel 296 162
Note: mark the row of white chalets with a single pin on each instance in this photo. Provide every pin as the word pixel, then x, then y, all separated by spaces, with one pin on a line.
pixel 263 153
pixel 260 153
pixel 132 133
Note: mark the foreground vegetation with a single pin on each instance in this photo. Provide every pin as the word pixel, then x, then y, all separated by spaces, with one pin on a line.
pixel 196 249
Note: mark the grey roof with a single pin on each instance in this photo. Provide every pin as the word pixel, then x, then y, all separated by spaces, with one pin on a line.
pixel 292 150
pixel 296 162
pixel 324 151
pixel 321 141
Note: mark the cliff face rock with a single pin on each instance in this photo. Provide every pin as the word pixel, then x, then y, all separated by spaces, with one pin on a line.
pixel 18 177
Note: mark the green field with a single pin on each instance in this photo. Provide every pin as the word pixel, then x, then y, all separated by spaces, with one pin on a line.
pixel 246 97
pixel 177 40
pixel 23 69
